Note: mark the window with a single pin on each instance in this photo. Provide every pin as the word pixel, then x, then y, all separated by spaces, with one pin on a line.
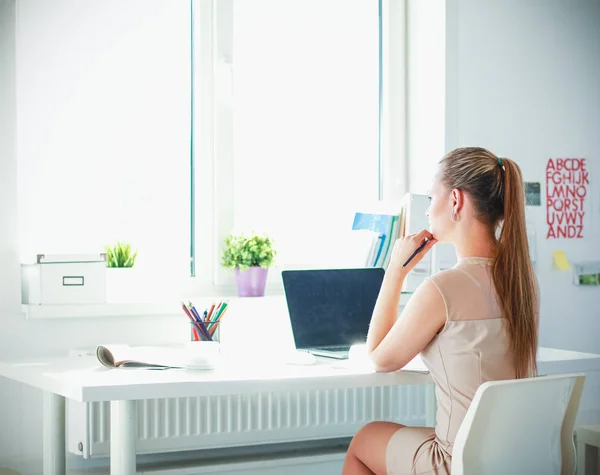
pixel 168 126
pixel 304 102
pixel 103 104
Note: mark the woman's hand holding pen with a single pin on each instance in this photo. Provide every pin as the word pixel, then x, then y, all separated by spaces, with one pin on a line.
pixel 409 250
pixel 407 253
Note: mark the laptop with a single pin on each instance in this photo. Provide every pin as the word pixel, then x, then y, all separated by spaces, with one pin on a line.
pixel 330 309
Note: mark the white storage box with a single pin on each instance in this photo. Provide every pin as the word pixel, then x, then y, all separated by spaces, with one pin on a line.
pixel 61 279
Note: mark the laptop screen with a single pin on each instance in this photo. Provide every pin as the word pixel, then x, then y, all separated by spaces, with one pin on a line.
pixel 331 307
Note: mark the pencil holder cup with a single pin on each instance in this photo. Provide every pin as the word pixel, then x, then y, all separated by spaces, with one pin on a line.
pixel 202 354
pixel 205 331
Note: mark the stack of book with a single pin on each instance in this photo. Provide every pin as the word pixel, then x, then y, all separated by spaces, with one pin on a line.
pixel 381 228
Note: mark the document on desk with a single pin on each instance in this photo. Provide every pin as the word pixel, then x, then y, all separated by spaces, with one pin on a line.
pixel 149 357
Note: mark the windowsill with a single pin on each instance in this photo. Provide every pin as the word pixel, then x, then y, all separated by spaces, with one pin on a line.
pixel 163 305
pixel 125 309
pixel 131 309
pixel 43 312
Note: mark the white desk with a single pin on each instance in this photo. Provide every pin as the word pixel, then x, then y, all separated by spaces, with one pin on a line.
pixel 84 380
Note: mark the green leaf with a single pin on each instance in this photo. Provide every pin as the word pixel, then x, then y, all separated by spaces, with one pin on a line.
pixel 120 255
pixel 245 251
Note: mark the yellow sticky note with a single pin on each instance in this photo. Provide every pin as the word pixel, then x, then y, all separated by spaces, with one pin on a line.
pixel 560 261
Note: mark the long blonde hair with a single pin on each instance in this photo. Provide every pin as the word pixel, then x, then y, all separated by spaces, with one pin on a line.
pixel 497 191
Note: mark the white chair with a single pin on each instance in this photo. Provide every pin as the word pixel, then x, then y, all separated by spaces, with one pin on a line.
pixel 520 427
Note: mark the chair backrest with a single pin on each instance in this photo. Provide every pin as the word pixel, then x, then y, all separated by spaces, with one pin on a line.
pixel 523 426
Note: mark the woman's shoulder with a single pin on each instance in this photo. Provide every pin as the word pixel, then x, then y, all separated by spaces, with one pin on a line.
pixel 446 275
pixel 458 279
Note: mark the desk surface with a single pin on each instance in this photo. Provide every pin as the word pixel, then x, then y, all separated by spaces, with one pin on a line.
pixel 84 379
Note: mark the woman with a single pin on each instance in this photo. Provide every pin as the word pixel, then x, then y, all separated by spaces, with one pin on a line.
pixel 473 323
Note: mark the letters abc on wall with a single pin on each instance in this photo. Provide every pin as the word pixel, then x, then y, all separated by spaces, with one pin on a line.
pixel 567 181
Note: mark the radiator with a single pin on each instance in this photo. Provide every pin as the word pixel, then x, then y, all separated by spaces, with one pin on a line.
pixel 179 424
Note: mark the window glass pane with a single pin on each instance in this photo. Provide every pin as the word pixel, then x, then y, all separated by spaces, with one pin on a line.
pixel 103 128
pixel 305 89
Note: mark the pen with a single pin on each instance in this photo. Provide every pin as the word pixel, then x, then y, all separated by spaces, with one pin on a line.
pixel 419 249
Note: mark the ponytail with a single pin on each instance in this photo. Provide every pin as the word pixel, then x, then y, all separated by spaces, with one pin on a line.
pixel 496 187
pixel 513 274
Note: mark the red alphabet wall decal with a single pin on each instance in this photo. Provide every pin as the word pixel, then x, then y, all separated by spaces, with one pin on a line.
pixel 566 189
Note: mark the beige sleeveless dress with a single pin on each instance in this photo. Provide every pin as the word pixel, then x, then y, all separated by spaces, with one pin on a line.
pixel 471 348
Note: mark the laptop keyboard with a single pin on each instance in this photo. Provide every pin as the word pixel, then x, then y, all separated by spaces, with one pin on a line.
pixel 336 348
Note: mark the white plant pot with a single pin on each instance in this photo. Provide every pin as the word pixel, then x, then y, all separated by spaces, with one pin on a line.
pixel 123 284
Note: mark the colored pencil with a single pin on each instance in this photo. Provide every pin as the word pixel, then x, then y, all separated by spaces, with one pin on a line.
pixel 192 319
pixel 217 320
pixel 199 322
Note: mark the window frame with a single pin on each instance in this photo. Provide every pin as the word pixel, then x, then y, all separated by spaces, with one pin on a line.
pixel 211 140
pixel 211 155
pixel 213 129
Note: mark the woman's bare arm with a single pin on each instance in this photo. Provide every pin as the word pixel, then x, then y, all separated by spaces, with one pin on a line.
pixel 423 316
pixel 393 342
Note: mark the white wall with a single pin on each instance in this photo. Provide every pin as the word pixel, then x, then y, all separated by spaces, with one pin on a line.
pixel 19 405
pixel 9 261
pixel 426 73
pixel 521 79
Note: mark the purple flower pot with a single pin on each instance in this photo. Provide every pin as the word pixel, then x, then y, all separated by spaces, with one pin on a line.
pixel 251 282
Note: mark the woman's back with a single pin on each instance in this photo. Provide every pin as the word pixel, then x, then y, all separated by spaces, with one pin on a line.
pixel 472 348
pixel 474 323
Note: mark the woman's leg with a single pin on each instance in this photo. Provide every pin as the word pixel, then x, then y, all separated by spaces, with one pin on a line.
pixel 366 453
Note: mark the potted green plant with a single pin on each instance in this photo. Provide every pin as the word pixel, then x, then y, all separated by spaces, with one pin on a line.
pixel 120 255
pixel 120 277
pixel 250 256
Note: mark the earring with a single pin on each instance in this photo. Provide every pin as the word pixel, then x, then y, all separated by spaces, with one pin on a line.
pixel 454 217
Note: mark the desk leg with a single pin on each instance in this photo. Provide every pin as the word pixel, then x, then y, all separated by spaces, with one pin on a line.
pixel 123 435
pixel 54 443
pixel 430 405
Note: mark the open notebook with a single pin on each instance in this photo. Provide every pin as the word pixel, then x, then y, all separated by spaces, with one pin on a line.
pixel 151 357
